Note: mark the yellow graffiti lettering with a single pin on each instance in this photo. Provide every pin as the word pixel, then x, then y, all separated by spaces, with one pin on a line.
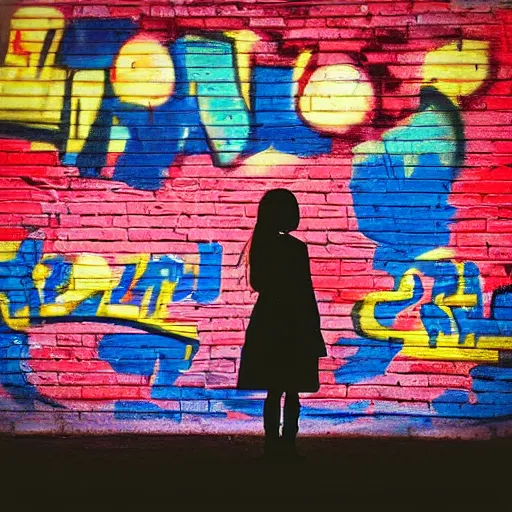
pixel 188 352
pixel 140 314
pixel 40 274
pixel 32 89
pixel 495 342
pixel 143 73
pixel 460 298
pixel 90 275
pixel 20 320
pixel 86 95
pixel 336 98
pixel 263 162
pixel 440 253
pixel 8 250
pixel 42 146
pixel 457 69
pixel 416 342
pixel 301 64
pixel 244 41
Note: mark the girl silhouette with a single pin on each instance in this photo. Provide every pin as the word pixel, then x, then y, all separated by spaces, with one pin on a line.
pixel 283 339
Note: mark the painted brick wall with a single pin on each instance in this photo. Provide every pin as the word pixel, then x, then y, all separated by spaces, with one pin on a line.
pixel 137 138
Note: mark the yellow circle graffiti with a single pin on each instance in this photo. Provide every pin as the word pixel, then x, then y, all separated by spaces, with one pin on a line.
pixel 336 98
pixel 457 69
pixel 143 73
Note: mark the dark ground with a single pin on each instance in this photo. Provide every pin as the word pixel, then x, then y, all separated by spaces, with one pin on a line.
pixel 223 470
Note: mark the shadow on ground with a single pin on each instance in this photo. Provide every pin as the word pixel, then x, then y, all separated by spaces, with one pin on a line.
pixel 220 470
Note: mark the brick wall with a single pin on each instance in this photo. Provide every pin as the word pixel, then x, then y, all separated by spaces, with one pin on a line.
pixel 137 138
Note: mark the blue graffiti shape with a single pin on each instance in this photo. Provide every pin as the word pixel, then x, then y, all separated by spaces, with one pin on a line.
pixel 244 402
pixel 501 304
pixel 435 321
pixel 14 354
pixel 132 410
pixel 19 296
pixel 491 391
pixel 446 283
pixel 206 113
pixel 58 278
pixel 501 312
pixel 209 280
pixel 17 291
pixel 275 120
pixel 159 270
pixel 93 43
pixel 93 156
pixel 254 408
pixel 401 189
pixel 17 288
pixel 386 312
pixel 371 360
pixel 14 369
pixel 162 357
pixel 491 396
pixel 209 117
pixel 347 414
pixel 203 288
pixel 472 321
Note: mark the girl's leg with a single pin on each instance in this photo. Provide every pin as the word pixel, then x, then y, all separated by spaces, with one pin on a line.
pixel 271 420
pixel 291 415
pixel 291 420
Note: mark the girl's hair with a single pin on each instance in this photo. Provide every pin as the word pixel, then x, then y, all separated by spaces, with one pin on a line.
pixel 278 212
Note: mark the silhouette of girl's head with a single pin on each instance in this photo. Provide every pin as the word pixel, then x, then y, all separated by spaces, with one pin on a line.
pixel 278 212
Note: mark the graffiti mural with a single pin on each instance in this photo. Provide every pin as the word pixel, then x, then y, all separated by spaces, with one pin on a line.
pixel 452 321
pixel 135 144
pixel 136 97
pixel 135 290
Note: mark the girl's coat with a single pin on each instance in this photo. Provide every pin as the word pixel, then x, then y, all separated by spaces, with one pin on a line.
pixel 283 340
